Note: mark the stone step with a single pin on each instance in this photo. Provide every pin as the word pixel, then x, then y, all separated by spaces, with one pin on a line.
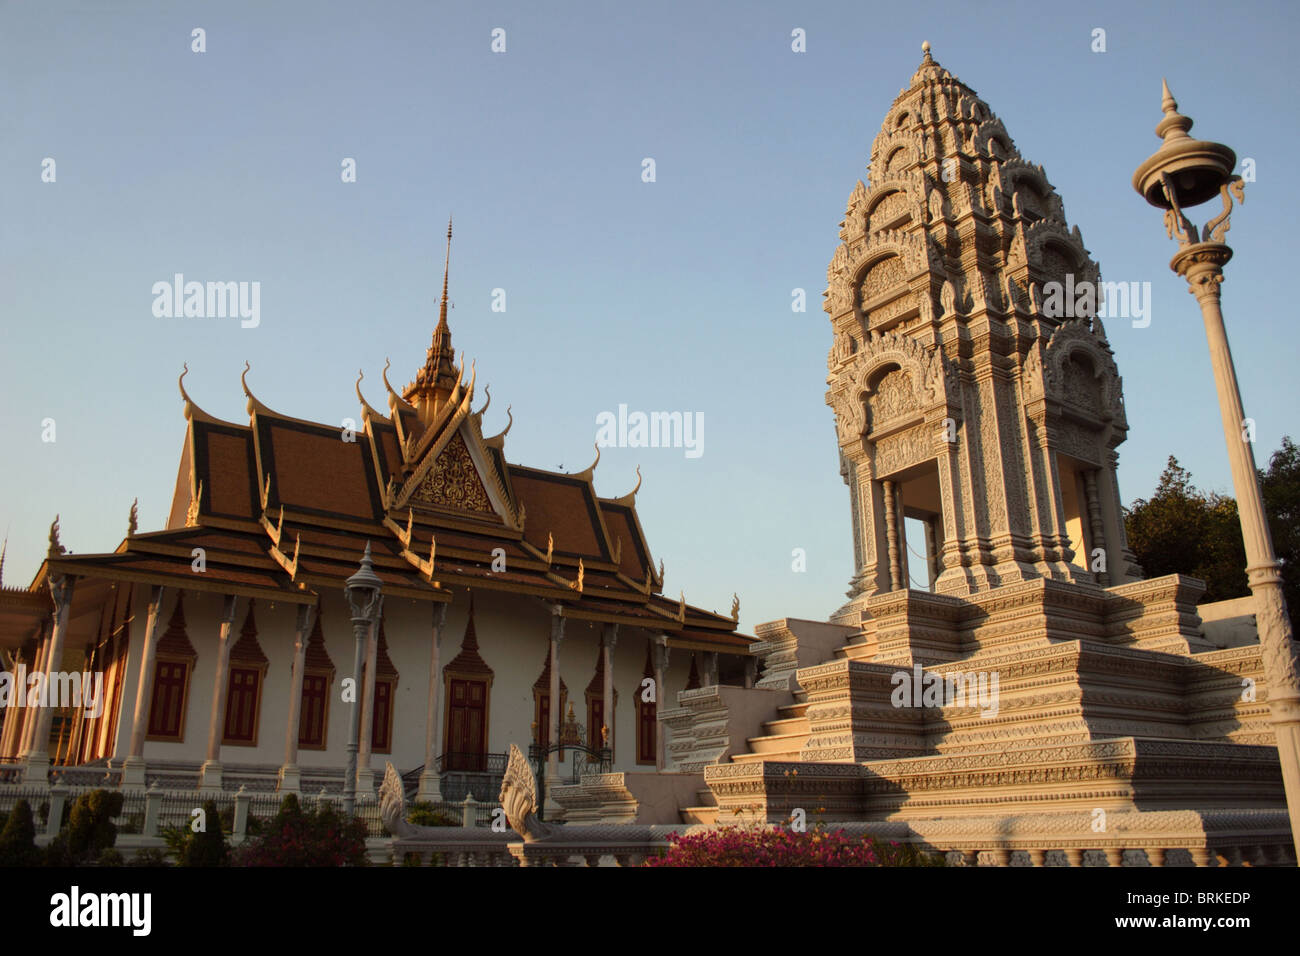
pixel 706 797
pixel 703 815
pixel 784 726
pixel 792 710
pixel 777 743
pixel 789 756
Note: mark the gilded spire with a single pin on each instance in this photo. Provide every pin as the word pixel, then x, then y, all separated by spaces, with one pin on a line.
pixel 435 381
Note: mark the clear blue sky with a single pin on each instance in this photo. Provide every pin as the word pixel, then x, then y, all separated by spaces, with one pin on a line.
pixel 666 296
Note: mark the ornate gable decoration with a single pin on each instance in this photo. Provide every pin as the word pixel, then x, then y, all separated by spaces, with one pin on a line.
pixel 469 663
pixel 863 398
pixel 453 481
pixel 1093 385
pixel 175 642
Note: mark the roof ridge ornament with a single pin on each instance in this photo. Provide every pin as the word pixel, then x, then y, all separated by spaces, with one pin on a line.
pixel 192 513
pixel 498 440
pixel 395 400
pixel 132 522
pixel 56 547
pixel 629 499
pixel 588 473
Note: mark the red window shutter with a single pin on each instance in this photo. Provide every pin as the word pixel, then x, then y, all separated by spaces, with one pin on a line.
pixel 168 699
pixel 241 705
pixel 381 718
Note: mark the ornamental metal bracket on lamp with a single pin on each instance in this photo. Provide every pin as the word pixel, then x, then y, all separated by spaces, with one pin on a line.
pixel 1186 172
pixel 1182 173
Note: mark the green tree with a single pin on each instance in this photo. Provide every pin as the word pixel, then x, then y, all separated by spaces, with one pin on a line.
pixel 1182 530
pixel 1280 484
pixel 18 839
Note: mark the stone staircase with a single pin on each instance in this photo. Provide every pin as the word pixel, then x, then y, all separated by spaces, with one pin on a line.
pixel 707 811
pixel 782 738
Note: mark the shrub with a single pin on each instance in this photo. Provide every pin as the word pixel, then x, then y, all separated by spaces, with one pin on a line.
pixel 294 837
pixel 149 856
pixel 779 846
pixel 18 839
pixel 110 857
pixel 427 814
pixel 208 847
pixel 89 830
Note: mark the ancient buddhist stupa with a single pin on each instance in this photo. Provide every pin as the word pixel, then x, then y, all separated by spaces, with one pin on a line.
pixel 1019 688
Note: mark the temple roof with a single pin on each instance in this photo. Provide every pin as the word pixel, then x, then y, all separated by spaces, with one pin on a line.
pixel 281 508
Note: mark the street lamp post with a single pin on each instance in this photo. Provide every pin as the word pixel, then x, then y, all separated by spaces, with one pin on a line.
pixel 364 592
pixel 1185 172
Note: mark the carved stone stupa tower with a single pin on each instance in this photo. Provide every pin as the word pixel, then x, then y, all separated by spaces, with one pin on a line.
pixel 958 400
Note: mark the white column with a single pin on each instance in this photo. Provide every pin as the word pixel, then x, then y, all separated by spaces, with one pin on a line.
pixel 609 638
pixel 553 724
pixel 430 779
pixel 1202 266
pixel 365 774
pixel 290 775
pixel 659 659
pixel 891 536
pixel 133 767
pixel 11 738
pixel 38 757
pixel 27 733
pixel 210 774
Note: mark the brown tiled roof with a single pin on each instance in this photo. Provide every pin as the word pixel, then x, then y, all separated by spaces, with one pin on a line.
pixel 562 506
pixel 314 470
pixel 633 560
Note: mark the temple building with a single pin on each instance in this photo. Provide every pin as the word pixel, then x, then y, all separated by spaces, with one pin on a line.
pixel 226 645
pixel 1017 693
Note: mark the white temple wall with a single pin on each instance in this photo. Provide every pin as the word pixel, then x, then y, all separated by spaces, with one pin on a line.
pixel 513 635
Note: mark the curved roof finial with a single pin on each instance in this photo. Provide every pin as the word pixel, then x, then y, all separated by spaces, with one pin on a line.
pixel 253 404
pixel 487 390
pixel 629 499
pixel 366 407
pixel 192 410
pixel 395 401
pixel 56 547
pixel 587 473
pixel 499 438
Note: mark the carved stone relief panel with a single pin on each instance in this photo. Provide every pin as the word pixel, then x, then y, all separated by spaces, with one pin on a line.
pixel 903 450
pixel 1072 439
pixel 885 276
pixel 1080 385
pixel 888 210
pixel 894 397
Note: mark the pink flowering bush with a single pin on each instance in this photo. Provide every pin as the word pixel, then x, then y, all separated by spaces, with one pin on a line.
pixel 779 846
